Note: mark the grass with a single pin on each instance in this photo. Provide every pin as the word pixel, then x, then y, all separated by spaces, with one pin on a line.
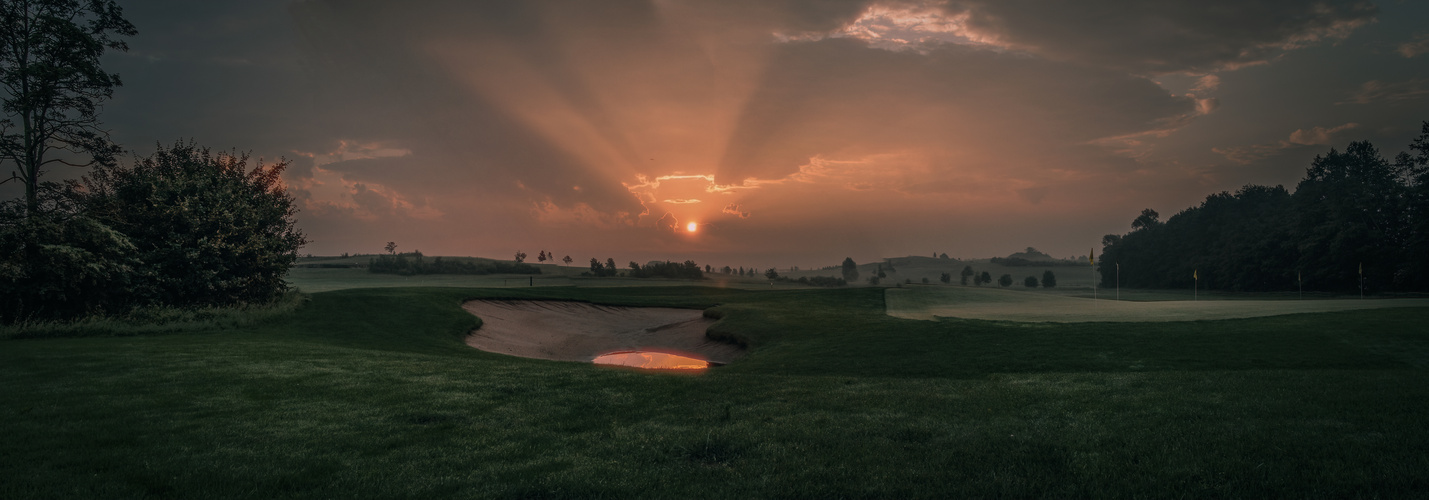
pixel 372 393
pixel 931 302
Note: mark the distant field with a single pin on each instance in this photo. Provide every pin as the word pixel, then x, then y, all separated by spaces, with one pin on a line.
pixel 314 280
pixel 929 302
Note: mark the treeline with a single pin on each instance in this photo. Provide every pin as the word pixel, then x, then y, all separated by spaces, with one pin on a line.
pixel 656 269
pixel 1356 219
pixel 1021 262
pixel 413 263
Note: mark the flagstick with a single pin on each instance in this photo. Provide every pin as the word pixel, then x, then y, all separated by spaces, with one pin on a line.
pixel 1118 280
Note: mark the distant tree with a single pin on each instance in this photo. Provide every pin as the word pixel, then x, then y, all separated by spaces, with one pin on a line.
pixel 1148 219
pixel 708 269
pixel 541 257
pixel 567 260
pixel 946 277
pixel 595 267
pixel 741 272
pixel 1005 280
pixel 850 269
pixel 985 277
pixel 1049 280
pixel 391 248
pixel 967 273
pixel 943 256
pixel 880 272
pixel 610 265
pixel 1030 282
pixel 726 270
pixel 925 280
pixel 53 86
pixel 520 256
pixel 634 266
pixel 771 274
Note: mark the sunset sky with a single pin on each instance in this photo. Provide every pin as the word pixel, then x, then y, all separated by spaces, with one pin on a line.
pixel 792 132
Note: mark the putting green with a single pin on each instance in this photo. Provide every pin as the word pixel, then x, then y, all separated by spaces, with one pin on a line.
pixel 930 303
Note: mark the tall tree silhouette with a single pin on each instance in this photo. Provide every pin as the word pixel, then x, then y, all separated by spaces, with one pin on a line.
pixel 53 85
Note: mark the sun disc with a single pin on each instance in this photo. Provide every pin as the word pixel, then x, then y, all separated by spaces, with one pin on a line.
pixel 692 227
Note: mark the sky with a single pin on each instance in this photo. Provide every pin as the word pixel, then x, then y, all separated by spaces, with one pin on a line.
pixel 791 132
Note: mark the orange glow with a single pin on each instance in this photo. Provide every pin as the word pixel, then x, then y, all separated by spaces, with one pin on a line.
pixel 651 360
pixel 692 227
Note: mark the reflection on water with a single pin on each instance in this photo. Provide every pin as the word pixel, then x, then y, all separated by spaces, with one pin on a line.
pixel 651 360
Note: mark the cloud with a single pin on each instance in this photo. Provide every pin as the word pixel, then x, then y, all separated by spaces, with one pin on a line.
pixel 734 209
pixel 1317 136
pixel 1377 91
pixel 1131 35
pixel 1207 83
pixel 1419 45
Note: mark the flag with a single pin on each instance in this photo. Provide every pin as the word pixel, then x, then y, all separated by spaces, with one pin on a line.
pixel 1193 275
pixel 1091 260
pixel 1361 269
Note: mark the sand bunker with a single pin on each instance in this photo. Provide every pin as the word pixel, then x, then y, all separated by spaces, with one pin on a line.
pixel 579 331
pixel 1009 305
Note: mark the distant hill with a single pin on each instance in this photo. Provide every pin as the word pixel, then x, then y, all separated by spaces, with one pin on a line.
pixel 1032 255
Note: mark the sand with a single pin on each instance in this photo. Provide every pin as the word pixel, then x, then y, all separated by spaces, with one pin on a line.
pixel 1011 305
pixel 580 331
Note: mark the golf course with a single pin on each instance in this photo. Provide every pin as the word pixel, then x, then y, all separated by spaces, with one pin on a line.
pixel 375 391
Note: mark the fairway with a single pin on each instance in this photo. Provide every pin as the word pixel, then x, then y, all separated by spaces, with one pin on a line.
pixel 375 391
pixel 931 303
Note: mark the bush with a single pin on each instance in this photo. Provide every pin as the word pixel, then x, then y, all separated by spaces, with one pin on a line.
pixel 60 266
pixel 207 230
pixel 1005 280
pixel 1049 280
pixel 1030 282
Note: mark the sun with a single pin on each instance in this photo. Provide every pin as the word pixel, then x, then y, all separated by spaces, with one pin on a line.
pixel 692 227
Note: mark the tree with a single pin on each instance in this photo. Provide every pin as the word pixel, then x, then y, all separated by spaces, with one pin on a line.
pixel 541 257
pixel 610 265
pixel 208 231
pixel 567 260
pixel 985 277
pixel 1030 282
pixel 925 280
pixel 520 256
pixel 1049 280
pixel 943 256
pixel 967 273
pixel 880 272
pixel 1005 280
pixel 771 274
pixel 634 266
pixel 391 247
pixel 850 269
pixel 946 277
pixel 595 267
pixel 726 270
pixel 1148 219
pixel 53 85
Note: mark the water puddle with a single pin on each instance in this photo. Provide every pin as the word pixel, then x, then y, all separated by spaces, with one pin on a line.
pixel 651 360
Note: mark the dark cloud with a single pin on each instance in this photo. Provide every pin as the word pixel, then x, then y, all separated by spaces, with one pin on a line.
pixel 1163 36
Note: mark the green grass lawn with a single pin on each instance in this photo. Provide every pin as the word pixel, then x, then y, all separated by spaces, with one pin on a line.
pixel 371 393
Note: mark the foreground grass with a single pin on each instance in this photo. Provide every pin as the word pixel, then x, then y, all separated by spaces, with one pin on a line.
pixel 371 392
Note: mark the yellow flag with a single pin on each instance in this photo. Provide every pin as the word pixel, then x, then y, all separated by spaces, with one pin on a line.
pixel 1193 275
